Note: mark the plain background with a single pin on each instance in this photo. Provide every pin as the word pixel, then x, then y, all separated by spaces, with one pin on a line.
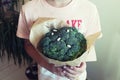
pixel 107 66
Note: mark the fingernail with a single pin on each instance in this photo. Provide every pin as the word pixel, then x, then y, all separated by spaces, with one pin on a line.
pixel 64 67
pixel 72 67
pixel 64 71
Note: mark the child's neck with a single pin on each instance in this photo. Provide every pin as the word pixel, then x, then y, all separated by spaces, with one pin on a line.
pixel 58 3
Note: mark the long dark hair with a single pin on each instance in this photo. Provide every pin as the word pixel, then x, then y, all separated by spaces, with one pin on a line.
pixel 10 45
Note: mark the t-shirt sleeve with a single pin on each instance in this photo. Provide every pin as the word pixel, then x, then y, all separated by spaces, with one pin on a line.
pixel 93 25
pixel 92 28
pixel 23 29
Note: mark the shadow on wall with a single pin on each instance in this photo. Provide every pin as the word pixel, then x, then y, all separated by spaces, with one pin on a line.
pixel 113 60
pixel 95 73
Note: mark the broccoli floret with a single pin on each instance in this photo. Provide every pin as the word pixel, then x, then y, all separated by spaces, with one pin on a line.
pixel 63 44
pixel 47 41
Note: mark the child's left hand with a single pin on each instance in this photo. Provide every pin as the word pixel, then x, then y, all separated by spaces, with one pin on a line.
pixel 73 72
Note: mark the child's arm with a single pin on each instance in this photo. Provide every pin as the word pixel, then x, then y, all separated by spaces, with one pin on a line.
pixel 40 60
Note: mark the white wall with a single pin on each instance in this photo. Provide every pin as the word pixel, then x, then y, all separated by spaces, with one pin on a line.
pixel 108 48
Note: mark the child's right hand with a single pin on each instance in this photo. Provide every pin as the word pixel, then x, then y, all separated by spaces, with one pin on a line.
pixel 58 70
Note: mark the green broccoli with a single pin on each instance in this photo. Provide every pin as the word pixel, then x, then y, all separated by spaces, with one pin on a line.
pixel 63 44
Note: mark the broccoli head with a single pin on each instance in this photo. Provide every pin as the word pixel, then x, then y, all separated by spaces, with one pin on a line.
pixel 63 44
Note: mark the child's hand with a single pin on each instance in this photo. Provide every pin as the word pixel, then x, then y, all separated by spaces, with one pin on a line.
pixel 56 70
pixel 59 71
pixel 73 72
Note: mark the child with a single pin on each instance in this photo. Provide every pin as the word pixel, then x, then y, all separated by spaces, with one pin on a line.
pixel 81 14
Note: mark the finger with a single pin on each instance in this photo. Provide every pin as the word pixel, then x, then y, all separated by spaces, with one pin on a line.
pixel 77 69
pixel 70 70
pixel 68 75
pixel 58 71
pixel 81 64
pixel 81 68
